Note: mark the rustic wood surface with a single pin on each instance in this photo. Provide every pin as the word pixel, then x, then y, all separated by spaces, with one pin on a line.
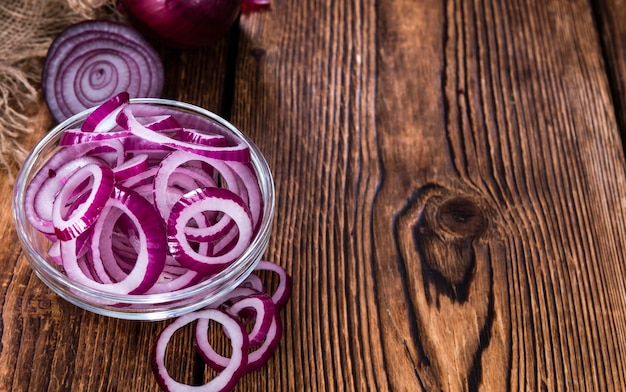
pixel 451 202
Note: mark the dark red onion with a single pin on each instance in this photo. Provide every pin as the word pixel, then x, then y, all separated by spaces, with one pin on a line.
pixel 183 23
pixel 186 23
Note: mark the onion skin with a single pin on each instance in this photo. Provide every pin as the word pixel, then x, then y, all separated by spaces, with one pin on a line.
pixel 183 24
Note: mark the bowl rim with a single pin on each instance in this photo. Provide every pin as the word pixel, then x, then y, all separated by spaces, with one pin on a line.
pixel 234 273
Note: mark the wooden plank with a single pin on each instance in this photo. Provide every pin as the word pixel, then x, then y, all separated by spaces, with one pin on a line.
pixel 305 94
pixel 509 250
pixel 458 222
pixel 450 189
pixel 197 76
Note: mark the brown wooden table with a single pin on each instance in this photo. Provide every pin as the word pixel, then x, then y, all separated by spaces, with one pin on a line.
pixel 451 202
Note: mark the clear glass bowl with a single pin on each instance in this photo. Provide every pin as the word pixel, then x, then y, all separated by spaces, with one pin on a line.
pixel 149 306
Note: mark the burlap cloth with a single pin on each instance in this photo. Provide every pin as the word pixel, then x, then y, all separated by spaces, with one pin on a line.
pixel 27 27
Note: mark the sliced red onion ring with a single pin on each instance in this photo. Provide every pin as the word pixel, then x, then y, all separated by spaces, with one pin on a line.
pixel 254 282
pixel 47 183
pixel 238 151
pixel 262 308
pixel 54 252
pixel 103 255
pixel 249 190
pixel 93 61
pixel 77 136
pixel 69 224
pixel 283 291
pixel 257 358
pixel 190 135
pixel 169 283
pixel 102 119
pixel 191 205
pixel 131 167
pixel 111 151
pixel 164 200
pixel 234 295
pixel 230 374
pixel 150 259
pixel 163 124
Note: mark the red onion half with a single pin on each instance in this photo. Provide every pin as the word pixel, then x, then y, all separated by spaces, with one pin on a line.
pixel 90 62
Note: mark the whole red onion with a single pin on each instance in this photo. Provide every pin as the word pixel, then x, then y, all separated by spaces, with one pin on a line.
pixel 183 23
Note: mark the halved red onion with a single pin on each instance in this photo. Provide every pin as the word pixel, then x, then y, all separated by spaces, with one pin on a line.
pixel 232 371
pixel 93 61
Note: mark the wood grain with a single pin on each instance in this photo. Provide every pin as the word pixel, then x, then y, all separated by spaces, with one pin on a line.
pixel 508 121
pixel 450 186
pixel 492 103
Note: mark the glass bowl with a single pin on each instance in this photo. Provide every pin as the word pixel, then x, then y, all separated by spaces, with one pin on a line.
pixel 149 307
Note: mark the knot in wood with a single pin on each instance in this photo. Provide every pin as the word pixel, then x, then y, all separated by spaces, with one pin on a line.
pixel 258 53
pixel 444 235
pixel 461 217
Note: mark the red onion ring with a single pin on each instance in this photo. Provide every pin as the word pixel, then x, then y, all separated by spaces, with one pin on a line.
pixel 283 291
pixel 229 375
pixel 268 336
pixel 191 205
pixel 150 259
pixel 102 119
pixel 237 151
pixel 69 224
